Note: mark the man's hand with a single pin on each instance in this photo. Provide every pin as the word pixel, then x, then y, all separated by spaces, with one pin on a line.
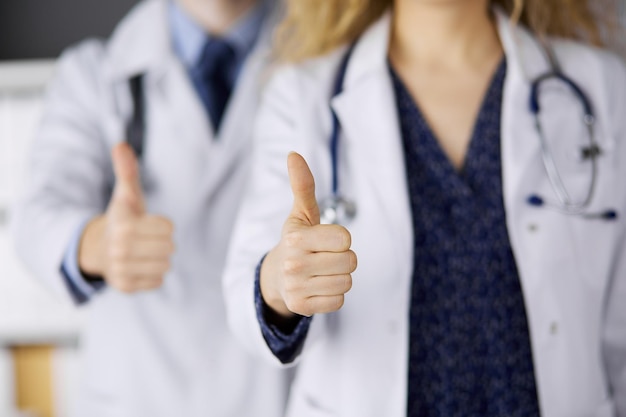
pixel 129 248
pixel 309 271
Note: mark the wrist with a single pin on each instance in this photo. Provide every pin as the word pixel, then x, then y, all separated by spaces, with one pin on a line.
pixel 91 259
pixel 269 290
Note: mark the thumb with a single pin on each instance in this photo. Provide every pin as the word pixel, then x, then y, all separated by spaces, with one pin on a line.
pixel 127 194
pixel 305 206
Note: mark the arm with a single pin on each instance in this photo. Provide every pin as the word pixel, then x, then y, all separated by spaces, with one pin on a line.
pixel 71 176
pixel 69 172
pixel 614 332
pixel 308 270
pixel 81 287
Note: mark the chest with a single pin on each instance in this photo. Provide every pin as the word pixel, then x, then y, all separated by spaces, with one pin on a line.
pixel 183 163
pixel 450 103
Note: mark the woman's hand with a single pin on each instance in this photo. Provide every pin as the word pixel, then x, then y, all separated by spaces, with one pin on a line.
pixel 309 271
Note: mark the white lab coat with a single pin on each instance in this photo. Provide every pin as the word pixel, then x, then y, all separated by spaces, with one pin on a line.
pixel 572 270
pixel 166 352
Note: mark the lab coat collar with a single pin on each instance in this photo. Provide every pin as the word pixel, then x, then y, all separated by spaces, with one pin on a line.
pixel 525 57
pixel 140 45
pixel 141 42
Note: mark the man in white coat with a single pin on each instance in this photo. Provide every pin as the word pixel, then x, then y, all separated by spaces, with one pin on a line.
pixel 137 172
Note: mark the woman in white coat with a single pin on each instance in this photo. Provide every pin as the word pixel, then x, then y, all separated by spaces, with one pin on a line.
pixel 482 289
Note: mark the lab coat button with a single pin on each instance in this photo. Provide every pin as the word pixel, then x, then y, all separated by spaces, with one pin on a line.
pixel 554 328
pixel 532 227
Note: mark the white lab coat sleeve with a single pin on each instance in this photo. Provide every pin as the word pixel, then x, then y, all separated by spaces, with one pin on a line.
pixel 68 165
pixel 266 205
pixel 614 335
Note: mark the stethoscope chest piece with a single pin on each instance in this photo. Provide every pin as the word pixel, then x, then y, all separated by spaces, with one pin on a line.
pixel 337 210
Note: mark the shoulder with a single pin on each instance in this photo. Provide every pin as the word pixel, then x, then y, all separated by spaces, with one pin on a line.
pixel 593 61
pixel 304 82
pixel 600 69
pixel 88 54
pixel 96 51
pixel 602 76
pixel 79 69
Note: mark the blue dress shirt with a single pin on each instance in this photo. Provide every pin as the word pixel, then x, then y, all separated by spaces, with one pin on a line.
pixel 188 40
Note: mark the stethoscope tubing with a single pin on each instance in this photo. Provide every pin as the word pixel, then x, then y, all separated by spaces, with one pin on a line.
pixel 566 205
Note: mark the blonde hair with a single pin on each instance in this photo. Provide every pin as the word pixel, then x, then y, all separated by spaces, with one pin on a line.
pixel 315 27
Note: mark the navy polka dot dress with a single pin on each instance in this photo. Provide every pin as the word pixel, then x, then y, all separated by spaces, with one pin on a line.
pixel 469 352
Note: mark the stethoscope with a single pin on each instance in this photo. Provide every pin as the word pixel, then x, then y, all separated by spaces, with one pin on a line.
pixel 337 209
pixel 591 152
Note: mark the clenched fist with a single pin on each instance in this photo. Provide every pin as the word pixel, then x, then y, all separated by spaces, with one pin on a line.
pixel 126 246
pixel 309 271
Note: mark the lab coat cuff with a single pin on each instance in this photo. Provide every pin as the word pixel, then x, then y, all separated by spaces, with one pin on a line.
pixel 80 289
pixel 285 346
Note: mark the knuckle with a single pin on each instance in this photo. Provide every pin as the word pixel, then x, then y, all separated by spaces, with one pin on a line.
pixel 336 302
pixel 165 266
pixel 169 228
pixel 124 285
pixel 347 285
pixel 291 287
pixel 306 308
pixel 155 283
pixel 123 271
pixel 293 238
pixel 293 267
pixel 120 252
pixel 165 224
pixel 124 231
pixel 353 261
pixel 296 287
pixel 116 271
pixel 171 247
pixel 345 238
pixel 293 303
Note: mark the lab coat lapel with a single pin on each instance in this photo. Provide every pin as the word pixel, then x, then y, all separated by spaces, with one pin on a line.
pixel 523 173
pixel 190 126
pixel 521 153
pixel 175 113
pixel 370 132
pixel 138 45
pixel 240 114
pixel 366 109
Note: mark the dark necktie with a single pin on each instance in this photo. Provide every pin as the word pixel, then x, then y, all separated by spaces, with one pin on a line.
pixel 212 77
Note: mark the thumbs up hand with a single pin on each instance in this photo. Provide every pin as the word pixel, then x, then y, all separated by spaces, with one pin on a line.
pixel 129 248
pixel 127 200
pixel 309 271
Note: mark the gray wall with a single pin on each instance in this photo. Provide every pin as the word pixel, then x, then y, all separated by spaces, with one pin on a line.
pixel 42 28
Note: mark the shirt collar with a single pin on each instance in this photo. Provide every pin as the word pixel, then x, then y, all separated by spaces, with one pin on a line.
pixel 189 38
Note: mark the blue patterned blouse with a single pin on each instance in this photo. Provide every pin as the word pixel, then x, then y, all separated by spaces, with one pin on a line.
pixel 469 352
